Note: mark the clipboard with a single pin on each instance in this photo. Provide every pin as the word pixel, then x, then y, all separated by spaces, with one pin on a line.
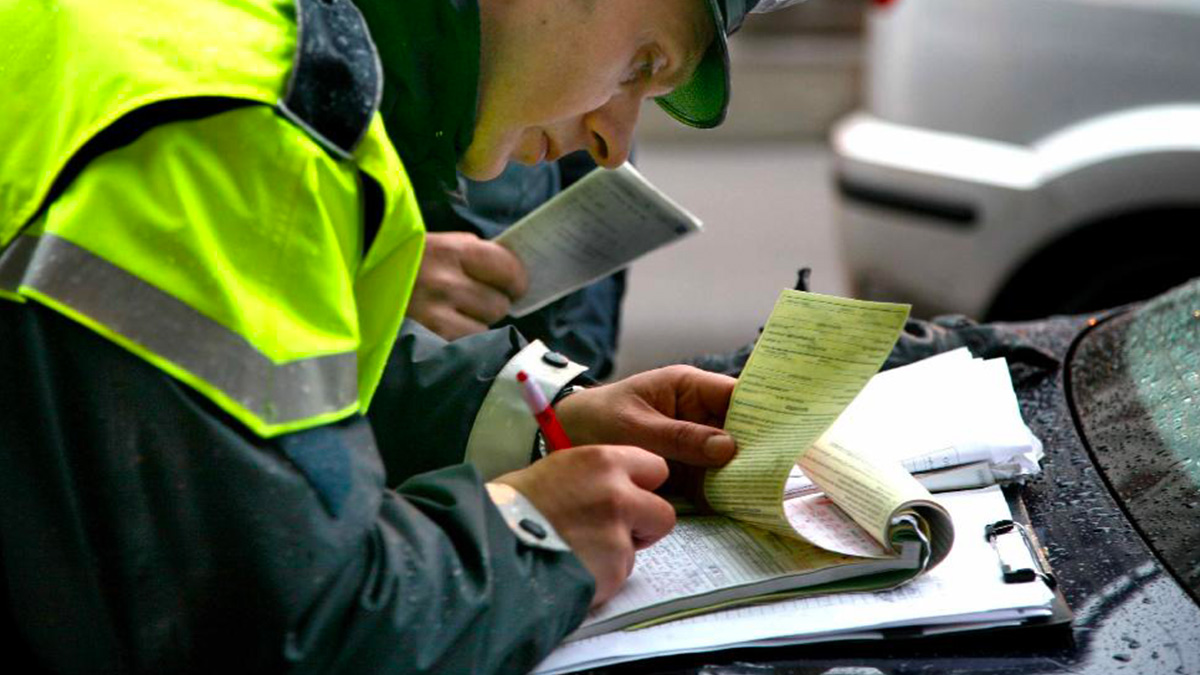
pixel 1017 572
pixel 1014 569
pixel 1003 535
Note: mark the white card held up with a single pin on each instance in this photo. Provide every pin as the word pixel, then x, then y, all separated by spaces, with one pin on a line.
pixel 596 227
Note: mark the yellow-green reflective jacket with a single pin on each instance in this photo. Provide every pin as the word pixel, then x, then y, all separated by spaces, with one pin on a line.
pixel 193 179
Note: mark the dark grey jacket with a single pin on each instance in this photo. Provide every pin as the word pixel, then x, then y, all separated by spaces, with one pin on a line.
pixel 144 530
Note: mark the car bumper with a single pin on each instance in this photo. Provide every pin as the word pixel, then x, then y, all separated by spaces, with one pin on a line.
pixel 931 218
pixel 945 221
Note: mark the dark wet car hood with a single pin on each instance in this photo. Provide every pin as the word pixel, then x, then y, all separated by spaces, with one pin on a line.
pixel 1131 615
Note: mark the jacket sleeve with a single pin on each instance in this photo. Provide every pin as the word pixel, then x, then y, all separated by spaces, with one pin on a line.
pixel 441 402
pixel 144 530
pixel 450 381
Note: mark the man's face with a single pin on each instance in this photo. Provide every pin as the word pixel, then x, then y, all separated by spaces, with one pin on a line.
pixel 563 75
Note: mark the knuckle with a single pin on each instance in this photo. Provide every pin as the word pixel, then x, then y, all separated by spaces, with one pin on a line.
pixel 477 250
pixel 520 279
pixel 682 436
pixel 435 279
pixel 677 370
pixel 445 243
pixel 610 504
pixel 497 307
pixel 660 462
pixel 454 248
pixel 627 417
pixel 667 515
pixel 662 469
pixel 439 290
pixel 603 459
pixel 516 270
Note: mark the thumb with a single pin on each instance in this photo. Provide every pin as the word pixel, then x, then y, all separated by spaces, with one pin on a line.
pixel 689 442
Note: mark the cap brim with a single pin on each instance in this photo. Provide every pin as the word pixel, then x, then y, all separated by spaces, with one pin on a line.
pixel 703 100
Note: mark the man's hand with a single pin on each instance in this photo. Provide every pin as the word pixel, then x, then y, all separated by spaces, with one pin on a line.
pixel 465 284
pixel 599 499
pixel 675 412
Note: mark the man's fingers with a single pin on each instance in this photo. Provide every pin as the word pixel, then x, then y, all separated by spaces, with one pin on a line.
pixel 451 325
pixel 646 470
pixel 687 482
pixel 648 516
pixel 653 517
pixel 690 443
pixel 447 299
pixel 481 302
pixel 711 393
pixel 496 266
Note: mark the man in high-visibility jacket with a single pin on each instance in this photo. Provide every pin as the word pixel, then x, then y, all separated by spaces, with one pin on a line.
pixel 220 449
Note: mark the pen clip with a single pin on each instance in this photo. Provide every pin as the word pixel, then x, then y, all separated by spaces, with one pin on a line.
pixel 1016 573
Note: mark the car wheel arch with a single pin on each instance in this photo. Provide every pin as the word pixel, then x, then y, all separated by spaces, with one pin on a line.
pixel 1110 260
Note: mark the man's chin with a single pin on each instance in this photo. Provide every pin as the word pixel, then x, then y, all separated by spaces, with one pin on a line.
pixel 480 162
pixel 477 174
pixel 481 167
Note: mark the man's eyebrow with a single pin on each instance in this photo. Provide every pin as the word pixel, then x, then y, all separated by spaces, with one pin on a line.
pixel 685 68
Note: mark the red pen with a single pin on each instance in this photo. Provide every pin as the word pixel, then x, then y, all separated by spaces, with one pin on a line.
pixel 556 437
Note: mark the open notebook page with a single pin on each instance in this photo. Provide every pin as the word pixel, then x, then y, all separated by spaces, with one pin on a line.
pixel 965 590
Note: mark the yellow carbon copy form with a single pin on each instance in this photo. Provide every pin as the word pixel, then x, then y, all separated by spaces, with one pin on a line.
pixel 813 357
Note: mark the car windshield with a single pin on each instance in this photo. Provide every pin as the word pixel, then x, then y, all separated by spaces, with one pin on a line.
pixel 1135 384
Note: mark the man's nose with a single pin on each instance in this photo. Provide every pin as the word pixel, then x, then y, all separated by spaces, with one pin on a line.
pixel 610 128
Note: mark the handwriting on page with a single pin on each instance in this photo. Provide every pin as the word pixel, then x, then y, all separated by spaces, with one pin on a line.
pixel 814 355
pixel 820 521
pixel 711 553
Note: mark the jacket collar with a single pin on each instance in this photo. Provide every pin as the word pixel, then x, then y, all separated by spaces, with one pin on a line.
pixel 430 55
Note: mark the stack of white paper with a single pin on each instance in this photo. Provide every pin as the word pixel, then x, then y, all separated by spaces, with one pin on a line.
pixel 965 592
pixel 952 420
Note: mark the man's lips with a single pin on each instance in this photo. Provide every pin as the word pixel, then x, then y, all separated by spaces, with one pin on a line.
pixel 546 150
pixel 551 152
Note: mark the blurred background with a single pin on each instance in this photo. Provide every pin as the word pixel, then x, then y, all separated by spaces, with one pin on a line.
pixel 761 183
pixel 1002 159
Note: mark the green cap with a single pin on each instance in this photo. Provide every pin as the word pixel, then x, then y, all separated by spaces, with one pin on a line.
pixel 703 100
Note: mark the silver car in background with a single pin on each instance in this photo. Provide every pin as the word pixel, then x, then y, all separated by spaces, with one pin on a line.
pixel 1020 158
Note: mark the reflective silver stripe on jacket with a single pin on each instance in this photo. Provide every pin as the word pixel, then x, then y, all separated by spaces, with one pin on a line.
pixel 275 393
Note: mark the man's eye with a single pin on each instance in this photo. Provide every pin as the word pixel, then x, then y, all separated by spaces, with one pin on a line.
pixel 641 73
pixel 644 71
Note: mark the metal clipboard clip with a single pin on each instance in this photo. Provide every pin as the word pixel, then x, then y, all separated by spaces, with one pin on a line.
pixel 1016 573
